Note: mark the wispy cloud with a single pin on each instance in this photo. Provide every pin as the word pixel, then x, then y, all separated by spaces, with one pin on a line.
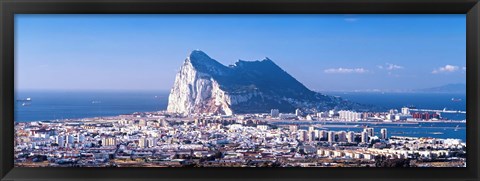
pixel 393 67
pixel 389 66
pixel 345 70
pixel 393 75
pixel 446 69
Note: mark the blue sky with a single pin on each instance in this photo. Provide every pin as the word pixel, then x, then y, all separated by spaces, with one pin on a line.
pixel 324 52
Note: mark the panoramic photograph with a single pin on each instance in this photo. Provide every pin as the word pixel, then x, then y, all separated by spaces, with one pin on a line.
pixel 339 90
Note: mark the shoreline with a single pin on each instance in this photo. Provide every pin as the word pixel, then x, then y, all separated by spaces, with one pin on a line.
pixel 268 120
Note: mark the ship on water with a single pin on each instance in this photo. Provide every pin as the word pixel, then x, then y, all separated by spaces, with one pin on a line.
pixel 456 100
pixel 28 99
pixel 411 107
pixel 25 102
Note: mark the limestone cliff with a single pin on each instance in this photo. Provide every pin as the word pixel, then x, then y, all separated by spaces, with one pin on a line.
pixel 204 85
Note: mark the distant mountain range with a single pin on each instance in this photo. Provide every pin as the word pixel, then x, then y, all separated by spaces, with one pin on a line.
pixel 448 88
pixel 204 85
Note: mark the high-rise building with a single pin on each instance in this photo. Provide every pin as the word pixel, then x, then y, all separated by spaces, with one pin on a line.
pixel 311 136
pixel 322 134
pixel 298 112
pixel 317 133
pixel 142 143
pixel 331 136
pixel 80 138
pixel 60 140
pixel 303 135
pixel 383 133
pixel 349 115
pixel 364 137
pixel 70 139
pixel 370 131
pixel 351 137
pixel 342 136
pixel 274 113
pixel 109 141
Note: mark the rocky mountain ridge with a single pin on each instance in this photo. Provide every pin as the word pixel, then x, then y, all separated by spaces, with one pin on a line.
pixel 203 85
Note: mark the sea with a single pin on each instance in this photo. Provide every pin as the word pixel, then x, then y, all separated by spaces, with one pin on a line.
pixel 54 105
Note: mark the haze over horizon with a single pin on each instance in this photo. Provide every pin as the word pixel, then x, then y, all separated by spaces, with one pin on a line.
pixel 324 52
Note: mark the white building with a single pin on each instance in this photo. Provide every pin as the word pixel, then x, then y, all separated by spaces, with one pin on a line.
pixel 402 117
pixel 349 115
pixel 322 134
pixel 293 128
pixel 303 135
pixel 370 131
pixel 405 111
pixel 351 137
pixel 70 139
pixel 331 136
pixel 331 113
pixel 298 112
pixel 142 143
pixel 80 138
pixel 383 134
pixel 262 127
pixel 109 141
pixel 390 117
pixel 60 140
pixel 309 118
pixel 364 137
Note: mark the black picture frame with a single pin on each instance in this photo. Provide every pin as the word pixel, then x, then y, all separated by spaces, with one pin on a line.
pixel 11 7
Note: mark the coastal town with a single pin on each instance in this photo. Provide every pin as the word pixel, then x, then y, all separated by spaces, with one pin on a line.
pixel 162 139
